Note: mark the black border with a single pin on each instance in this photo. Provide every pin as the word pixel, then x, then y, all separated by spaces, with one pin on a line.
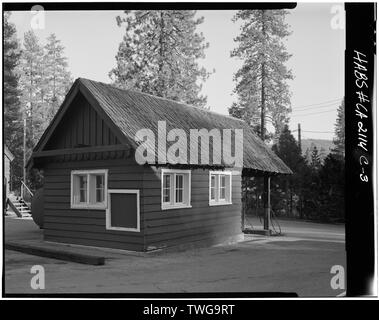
pixel 148 5
pixel 360 246
pixel 360 28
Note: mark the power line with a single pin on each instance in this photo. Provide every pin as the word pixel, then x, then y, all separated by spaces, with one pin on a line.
pixel 313 131
pixel 321 103
pixel 319 107
pixel 309 114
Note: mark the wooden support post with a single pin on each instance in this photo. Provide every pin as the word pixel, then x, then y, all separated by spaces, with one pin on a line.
pixel 266 202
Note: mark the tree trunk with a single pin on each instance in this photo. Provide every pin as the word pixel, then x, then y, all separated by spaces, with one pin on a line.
pixel 161 56
pixel 263 75
pixel 263 104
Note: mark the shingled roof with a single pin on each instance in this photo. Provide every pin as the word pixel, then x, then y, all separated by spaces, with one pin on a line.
pixel 131 111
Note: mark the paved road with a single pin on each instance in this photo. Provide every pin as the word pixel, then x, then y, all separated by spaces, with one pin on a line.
pixel 259 264
pixel 304 229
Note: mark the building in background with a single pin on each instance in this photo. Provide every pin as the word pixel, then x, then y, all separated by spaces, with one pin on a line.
pixel 8 158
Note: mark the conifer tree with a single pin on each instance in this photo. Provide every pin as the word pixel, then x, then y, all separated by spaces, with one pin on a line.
pixel 12 107
pixel 315 158
pixel 159 54
pixel 44 82
pixel 339 139
pixel 57 79
pixel 261 83
pixel 31 75
pixel 13 130
pixel 288 150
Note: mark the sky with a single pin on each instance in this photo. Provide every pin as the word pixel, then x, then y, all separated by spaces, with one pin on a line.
pixel 91 40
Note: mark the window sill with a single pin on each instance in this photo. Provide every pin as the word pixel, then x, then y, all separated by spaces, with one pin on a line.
pixel 123 229
pixel 175 206
pixel 88 207
pixel 220 203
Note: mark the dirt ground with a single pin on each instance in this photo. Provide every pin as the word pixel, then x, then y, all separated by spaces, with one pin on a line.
pixel 300 262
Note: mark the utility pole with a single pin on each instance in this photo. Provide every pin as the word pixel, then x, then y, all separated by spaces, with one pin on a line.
pixel 299 135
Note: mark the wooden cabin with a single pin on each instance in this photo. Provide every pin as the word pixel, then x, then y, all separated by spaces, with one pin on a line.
pixel 96 194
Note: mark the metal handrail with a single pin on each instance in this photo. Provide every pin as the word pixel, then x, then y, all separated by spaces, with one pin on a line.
pixel 23 185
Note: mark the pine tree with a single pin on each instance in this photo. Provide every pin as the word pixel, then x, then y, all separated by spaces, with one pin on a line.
pixel 288 150
pixel 57 78
pixel 159 54
pixel 13 130
pixel 12 107
pixel 261 82
pixel 44 81
pixel 339 140
pixel 332 189
pixel 31 76
pixel 315 158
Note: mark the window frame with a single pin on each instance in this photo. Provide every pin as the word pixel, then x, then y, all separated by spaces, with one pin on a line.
pixel 218 201
pixel 186 189
pixel 94 206
pixel 176 188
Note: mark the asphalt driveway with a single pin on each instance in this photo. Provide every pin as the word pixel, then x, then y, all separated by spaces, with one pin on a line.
pixel 299 262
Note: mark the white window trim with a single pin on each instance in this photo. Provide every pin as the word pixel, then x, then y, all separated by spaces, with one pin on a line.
pixel 108 211
pixel 214 202
pixel 165 205
pixel 94 206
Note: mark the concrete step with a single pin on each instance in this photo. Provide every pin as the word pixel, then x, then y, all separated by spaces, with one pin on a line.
pixel 59 252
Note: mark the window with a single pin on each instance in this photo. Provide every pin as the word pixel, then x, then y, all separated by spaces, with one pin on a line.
pixel 179 178
pixel 176 189
pixel 166 188
pixel 220 188
pixel 100 188
pixel 88 189
pixel 82 189
pixel 213 187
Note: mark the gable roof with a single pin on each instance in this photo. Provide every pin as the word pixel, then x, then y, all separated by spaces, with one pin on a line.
pixel 129 111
